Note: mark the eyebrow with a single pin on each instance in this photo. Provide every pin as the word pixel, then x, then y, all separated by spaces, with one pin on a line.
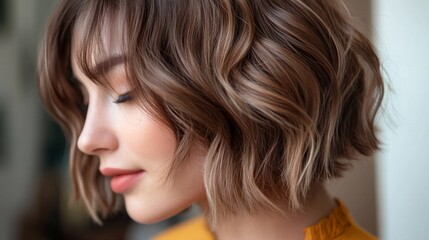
pixel 108 64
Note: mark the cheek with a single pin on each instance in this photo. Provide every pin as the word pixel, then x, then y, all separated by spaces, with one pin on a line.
pixel 151 143
pixel 151 146
pixel 157 199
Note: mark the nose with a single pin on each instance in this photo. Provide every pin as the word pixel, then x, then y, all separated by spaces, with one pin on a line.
pixel 98 134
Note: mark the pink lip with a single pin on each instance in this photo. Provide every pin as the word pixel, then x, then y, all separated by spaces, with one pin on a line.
pixel 122 179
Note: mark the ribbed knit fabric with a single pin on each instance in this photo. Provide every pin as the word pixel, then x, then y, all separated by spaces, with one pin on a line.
pixel 339 225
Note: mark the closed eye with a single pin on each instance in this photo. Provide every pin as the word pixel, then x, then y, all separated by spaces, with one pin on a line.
pixel 124 97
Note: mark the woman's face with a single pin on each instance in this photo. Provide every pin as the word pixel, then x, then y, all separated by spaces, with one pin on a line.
pixel 135 150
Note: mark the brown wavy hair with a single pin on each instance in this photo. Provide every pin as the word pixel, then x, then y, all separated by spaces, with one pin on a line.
pixel 283 93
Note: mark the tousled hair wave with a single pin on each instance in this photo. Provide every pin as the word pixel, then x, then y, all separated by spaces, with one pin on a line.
pixel 283 93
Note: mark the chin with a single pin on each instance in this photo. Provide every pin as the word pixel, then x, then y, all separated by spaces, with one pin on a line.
pixel 151 213
pixel 146 218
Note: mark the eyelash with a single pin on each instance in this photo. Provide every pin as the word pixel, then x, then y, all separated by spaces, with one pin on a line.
pixel 121 99
pixel 124 97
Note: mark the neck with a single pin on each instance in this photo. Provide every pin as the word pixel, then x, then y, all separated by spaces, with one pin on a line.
pixel 273 225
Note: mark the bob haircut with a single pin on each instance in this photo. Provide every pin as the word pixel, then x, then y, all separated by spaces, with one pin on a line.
pixel 283 93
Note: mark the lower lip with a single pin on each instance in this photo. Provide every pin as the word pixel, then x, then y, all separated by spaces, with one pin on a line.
pixel 122 183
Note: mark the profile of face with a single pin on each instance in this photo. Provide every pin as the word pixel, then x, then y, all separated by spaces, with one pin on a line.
pixel 135 149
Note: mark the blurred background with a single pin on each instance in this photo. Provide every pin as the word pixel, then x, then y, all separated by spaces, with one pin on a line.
pixel 388 195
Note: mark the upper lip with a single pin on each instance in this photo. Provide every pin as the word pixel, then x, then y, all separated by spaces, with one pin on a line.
pixel 110 172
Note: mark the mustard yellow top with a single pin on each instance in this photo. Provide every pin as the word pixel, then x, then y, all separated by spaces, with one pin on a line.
pixel 339 225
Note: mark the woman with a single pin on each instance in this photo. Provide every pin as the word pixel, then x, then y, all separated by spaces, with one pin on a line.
pixel 243 107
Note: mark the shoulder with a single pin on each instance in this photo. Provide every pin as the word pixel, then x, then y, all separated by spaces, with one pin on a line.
pixel 193 229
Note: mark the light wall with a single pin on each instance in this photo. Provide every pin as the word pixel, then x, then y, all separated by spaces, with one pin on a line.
pixel 402 30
